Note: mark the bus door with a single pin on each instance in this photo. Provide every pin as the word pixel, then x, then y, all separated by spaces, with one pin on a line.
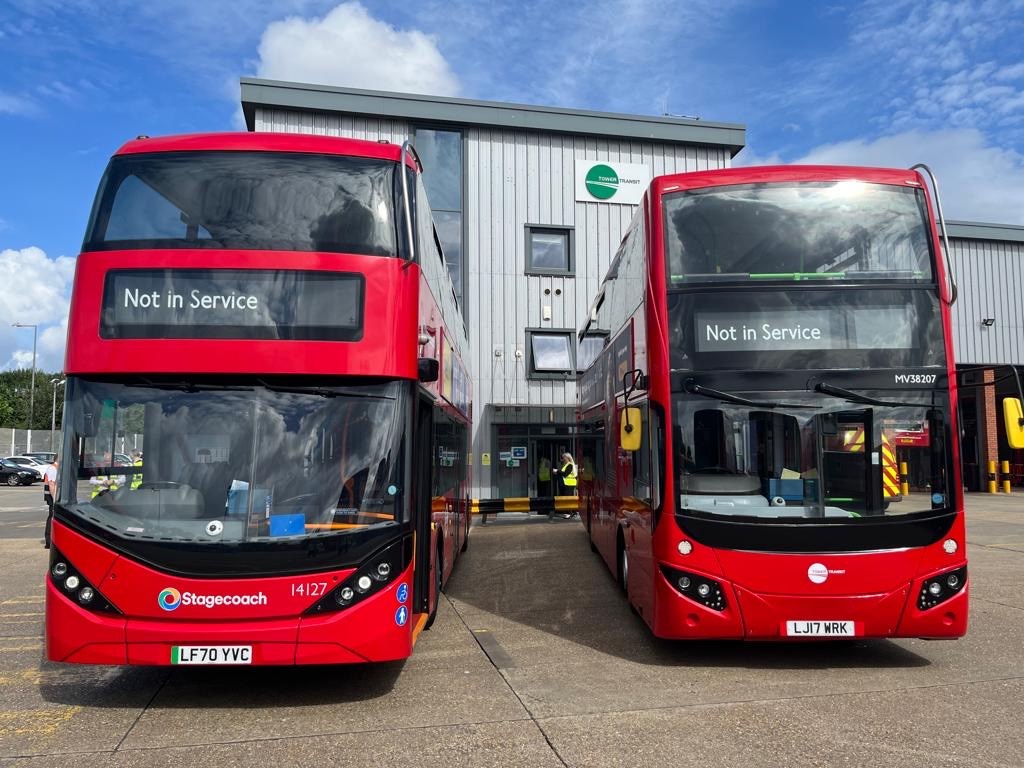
pixel 422 497
pixel 851 463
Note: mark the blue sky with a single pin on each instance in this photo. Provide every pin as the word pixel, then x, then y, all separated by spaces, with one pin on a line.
pixel 889 82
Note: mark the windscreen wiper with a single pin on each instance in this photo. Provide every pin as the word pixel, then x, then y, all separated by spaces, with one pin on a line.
pixel 320 391
pixel 191 386
pixel 690 385
pixel 855 397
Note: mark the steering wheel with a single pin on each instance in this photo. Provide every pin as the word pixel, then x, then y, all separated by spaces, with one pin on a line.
pixel 159 485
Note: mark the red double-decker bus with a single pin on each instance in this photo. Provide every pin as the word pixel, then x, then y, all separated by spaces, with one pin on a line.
pixel 267 420
pixel 770 333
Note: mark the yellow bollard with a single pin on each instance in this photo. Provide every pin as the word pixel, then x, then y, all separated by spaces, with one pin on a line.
pixel 904 482
pixel 1005 467
pixel 991 477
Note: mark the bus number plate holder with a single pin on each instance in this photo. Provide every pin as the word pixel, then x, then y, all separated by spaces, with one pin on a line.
pixel 211 654
pixel 815 628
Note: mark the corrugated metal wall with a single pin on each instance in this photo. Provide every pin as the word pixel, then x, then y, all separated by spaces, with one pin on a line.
pixel 515 178
pixel 990 275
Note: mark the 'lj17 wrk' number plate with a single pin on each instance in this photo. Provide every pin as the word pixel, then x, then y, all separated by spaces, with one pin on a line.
pixel 821 629
pixel 211 654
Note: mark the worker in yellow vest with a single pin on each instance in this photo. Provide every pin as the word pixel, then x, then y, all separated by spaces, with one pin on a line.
pixel 544 477
pixel 567 472
pixel 136 462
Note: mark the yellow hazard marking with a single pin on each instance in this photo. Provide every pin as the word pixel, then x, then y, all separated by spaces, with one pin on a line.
pixel 12 615
pixel 22 600
pixel 420 622
pixel 13 648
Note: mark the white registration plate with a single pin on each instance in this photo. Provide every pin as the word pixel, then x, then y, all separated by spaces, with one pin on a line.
pixel 211 654
pixel 829 628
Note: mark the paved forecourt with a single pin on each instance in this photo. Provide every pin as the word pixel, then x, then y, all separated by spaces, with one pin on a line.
pixel 535 660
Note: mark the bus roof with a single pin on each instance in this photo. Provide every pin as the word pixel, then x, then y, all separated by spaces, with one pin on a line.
pixel 782 173
pixel 263 142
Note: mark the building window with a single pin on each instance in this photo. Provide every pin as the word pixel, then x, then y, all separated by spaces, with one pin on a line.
pixel 590 347
pixel 550 354
pixel 549 250
pixel 441 155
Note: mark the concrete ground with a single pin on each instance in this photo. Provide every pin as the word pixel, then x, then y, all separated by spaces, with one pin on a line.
pixel 536 661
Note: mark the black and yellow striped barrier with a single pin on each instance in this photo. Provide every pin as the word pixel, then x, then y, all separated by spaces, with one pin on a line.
pixel 539 504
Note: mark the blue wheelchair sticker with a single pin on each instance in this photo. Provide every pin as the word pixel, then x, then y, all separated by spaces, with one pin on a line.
pixel 403 593
pixel 401 615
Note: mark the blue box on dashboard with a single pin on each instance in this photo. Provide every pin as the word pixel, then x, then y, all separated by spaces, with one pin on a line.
pixel 790 490
pixel 287 525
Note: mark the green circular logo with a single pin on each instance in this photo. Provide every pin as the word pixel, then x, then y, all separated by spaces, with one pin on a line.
pixel 602 182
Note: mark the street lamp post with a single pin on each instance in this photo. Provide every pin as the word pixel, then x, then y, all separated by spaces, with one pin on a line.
pixel 32 390
pixel 53 414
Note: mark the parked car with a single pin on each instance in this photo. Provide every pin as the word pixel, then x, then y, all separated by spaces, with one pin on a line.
pixel 27 462
pixel 16 474
pixel 47 457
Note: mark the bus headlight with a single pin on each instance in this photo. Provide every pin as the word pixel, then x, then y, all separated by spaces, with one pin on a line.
pixel 375 574
pixel 938 589
pixel 700 589
pixel 63 574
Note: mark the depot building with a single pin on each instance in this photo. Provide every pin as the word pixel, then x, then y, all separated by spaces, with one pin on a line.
pixel 530 204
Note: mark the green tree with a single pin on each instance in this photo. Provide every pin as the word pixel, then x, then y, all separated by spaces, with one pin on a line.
pixel 16 395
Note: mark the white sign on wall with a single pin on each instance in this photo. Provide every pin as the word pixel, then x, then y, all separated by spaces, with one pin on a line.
pixel 610 182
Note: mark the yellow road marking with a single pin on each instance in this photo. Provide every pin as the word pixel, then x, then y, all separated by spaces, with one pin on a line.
pixel 38 722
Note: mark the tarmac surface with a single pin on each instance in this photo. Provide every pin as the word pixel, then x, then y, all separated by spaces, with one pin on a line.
pixel 535 660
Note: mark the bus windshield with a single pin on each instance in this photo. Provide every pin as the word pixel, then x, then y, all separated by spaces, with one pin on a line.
pixel 843 230
pixel 766 456
pixel 284 201
pixel 219 463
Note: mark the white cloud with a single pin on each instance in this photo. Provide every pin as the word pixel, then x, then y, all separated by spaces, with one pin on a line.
pixel 34 289
pixel 348 47
pixel 16 105
pixel 977 181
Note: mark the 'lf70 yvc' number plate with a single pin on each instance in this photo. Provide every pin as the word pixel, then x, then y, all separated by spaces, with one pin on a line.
pixel 211 654
pixel 821 629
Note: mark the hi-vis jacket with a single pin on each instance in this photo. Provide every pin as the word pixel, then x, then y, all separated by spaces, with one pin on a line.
pixel 568 473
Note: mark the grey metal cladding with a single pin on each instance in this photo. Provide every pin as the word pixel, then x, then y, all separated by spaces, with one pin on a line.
pixel 515 178
pixel 990 276
pixel 418 108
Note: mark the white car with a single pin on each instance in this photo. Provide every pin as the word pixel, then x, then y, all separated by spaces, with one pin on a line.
pixel 29 463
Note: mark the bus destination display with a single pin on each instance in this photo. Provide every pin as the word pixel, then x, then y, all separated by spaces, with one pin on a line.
pixel 232 304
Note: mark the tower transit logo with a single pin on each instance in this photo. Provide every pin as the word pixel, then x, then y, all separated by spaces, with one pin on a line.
pixel 602 181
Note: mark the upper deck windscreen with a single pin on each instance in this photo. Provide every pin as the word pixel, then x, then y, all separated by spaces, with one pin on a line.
pixel 844 230
pixel 285 201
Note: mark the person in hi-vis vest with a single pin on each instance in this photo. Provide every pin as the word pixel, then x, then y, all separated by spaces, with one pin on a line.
pixel 567 473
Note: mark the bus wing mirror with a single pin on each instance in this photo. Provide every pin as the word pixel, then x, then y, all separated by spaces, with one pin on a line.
pixel 630 429
pixel 427 369
pixel 1013 415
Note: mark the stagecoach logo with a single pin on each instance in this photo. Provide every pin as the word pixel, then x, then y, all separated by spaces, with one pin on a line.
pixel 818 573
pixel 170 598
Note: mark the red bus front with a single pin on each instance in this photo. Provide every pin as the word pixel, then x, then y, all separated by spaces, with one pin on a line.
pixel 794 323
pixel 237 478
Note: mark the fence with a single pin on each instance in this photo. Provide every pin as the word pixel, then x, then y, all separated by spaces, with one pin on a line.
pixel 14 442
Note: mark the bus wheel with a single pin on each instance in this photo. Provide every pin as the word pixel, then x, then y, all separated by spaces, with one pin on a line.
pixel 438 571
